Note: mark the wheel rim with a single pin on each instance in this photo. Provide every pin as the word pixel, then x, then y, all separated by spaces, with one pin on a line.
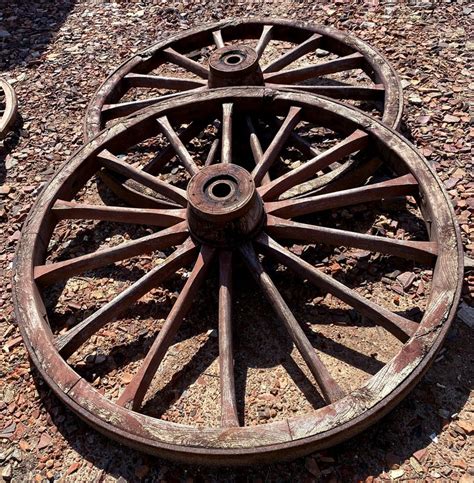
pixel 249 42
pixel 256 34
pixel 8 107
pixel 344 414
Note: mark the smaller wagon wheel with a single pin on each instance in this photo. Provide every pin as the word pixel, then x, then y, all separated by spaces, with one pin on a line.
pixel 337 352
pixel 8 107
pixel 277 53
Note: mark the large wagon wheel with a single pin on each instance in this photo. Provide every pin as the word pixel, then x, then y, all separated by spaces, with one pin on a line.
pixel 277 53
pixel 226 225
pixel 8 107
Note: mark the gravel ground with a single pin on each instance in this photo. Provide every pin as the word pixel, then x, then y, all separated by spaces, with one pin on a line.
pixel 56 54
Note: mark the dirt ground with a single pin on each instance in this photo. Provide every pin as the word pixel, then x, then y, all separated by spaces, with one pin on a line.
pixel 56 54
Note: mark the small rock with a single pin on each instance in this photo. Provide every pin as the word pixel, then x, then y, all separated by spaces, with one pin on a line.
pixel 423 119
pixel 44 441
pixel 12 343
pixel 460 464
pixel 393 274
pixel 74 467
pixel 420 454
pixel 467 426
pixel 24 446
pixel 406 279
pixel 17 455
pixel 15 237
pixel 8 430
pixel 451 183
pixel 7 472
pixel 398 473
pixel 415 465
pixel 361 254
pixel 8 395
pixel 126 378
pixel 451 119
pixel 416 100
pixel 5 189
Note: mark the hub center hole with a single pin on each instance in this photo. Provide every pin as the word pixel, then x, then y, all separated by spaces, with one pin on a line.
pixel 221 190
pixel 233 59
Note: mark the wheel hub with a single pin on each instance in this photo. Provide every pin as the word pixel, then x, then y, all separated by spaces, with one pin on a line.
pixel 234 66
pixel 224 208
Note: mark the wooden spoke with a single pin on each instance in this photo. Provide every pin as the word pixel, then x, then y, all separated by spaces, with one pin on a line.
pixel 218 40
pixel 168 153
pixel 353 173
pixel 185 62
pixel 162 82
pixel 356 93
pixel 52 272
pixel 69 210
pixel 269 156
pixel 226 145
pixel 264 39
pixel 400 327
pixel 330 389
pixel 74 338
pixel 295 53
pixel 178 145
pixel 256 147
pixel 352 61
pixel 356 141
pixel 420 251
pixel 401 186
pixel 122 109
pixel 304 146
pixel 211 156
pixel 135 391
pixel 229 416
pixel 109 161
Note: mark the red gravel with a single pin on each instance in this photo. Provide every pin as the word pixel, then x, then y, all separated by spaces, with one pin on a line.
pixel 56 54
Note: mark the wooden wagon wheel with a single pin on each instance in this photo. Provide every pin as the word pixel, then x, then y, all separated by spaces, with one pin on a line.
pixel 278 53
pixel 8 107
pixel 226 225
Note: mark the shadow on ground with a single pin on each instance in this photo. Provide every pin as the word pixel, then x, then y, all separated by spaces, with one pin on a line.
pixel 411 426
pixel 8 144
pixel 26 29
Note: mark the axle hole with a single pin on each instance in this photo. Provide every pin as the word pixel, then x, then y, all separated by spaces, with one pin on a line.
pixel 221 190
pixel 233 59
